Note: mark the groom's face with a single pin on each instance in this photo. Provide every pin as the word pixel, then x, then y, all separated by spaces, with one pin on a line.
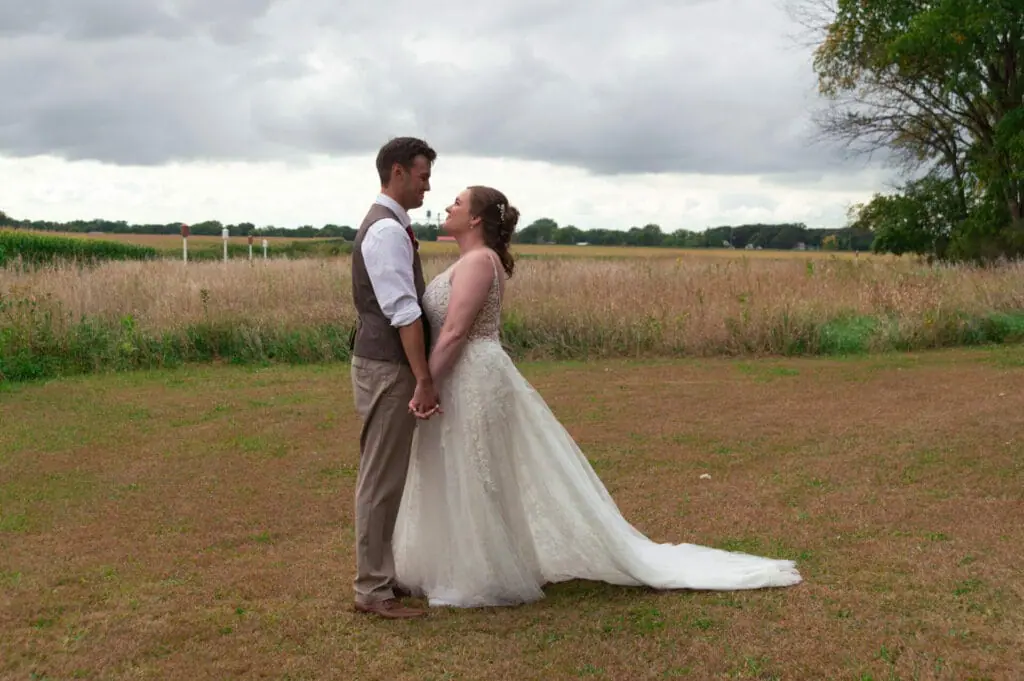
pixel 415 182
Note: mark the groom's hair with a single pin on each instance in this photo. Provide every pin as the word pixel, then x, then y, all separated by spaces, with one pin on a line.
pixel 402 150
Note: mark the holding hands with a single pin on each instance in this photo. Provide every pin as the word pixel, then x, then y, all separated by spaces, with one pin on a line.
pixel 424 402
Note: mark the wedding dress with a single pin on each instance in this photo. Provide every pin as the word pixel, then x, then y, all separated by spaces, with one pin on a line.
pixel 500 500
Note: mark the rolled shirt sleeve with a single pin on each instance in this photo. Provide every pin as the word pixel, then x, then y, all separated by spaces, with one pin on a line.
pixel 387 253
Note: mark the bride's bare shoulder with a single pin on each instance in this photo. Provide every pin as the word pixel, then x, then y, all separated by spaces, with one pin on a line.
pixel 478 259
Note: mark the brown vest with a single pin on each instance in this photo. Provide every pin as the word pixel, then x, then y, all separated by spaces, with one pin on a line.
pixel 374 336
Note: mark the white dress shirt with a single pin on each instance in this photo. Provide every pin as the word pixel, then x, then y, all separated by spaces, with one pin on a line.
pixel 387 253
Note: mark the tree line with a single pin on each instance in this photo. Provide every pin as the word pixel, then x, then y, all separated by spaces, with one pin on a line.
pixel 785 236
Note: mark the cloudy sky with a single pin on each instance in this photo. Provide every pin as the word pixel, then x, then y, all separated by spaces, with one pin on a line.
pixel 598 113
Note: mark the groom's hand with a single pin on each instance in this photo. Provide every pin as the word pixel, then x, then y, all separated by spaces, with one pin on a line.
pixel 424 403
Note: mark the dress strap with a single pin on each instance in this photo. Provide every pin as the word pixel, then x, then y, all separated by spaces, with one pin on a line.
pixel 494 265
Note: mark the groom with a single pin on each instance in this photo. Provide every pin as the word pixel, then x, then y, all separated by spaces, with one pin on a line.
pixel 390 378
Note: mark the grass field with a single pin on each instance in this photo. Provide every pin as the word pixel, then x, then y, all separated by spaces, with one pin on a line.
pixel 619 252
pixel 67 319
pixel 197 524
pixel 172 242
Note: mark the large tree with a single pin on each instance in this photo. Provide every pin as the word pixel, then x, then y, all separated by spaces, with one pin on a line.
pixel 938 84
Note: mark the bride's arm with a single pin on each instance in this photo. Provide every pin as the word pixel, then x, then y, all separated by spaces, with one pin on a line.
pixel 471 282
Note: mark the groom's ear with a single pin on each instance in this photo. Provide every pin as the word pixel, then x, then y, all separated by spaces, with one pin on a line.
pixel 397 172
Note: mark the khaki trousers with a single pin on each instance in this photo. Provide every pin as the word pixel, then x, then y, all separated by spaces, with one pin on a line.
pixel 382 393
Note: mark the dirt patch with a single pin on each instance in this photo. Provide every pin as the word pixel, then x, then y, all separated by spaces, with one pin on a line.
pixel 198 524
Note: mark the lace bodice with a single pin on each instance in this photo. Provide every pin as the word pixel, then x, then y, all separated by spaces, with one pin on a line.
pixel 437 295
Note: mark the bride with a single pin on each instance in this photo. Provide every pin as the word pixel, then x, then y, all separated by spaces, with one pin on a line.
pixel 499 499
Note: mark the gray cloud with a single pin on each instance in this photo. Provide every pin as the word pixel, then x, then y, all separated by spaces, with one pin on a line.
pixel 105 20
pixel 609 85
pixel 739 200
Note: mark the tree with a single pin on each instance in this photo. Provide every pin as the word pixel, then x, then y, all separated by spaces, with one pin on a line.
pixel 650 235
pixel 788 237
pixel 920 220
pixel 539 232
pixel 940 86
pixel 568 235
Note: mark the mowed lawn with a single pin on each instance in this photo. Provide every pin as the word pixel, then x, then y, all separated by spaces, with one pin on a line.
pixel 197 524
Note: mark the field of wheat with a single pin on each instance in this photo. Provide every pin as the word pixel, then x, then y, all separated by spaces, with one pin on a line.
pixel 160 312
pixel 172 243
pixel 619 252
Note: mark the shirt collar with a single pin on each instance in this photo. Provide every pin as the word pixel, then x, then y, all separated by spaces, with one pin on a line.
pixel 388 202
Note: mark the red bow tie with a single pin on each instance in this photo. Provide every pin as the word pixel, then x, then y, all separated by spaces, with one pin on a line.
pixel 412 237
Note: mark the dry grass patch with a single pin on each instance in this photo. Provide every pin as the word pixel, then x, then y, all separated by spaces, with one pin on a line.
pixel 66 319
pixel 198 524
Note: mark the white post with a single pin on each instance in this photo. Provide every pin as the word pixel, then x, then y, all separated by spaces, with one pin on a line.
pixel 250 248
pixel 224 234
pixel 184 249
pixel 264 249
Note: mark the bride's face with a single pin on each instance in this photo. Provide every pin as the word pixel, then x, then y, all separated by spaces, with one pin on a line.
pixel 459 218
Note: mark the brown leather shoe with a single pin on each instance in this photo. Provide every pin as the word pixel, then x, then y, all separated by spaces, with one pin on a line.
pixel 390 609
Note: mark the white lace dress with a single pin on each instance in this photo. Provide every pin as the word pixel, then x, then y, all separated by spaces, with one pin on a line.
pixel 501 501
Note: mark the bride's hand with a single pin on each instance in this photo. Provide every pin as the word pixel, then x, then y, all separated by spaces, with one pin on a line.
pixel 424 415
pixel 425 402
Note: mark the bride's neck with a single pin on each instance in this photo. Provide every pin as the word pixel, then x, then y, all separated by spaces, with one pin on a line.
pixel 469 242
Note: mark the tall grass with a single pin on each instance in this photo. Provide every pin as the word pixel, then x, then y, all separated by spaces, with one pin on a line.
pixel 63 319
pixel 33 248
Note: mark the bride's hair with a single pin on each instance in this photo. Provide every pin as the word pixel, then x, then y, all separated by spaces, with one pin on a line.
pixel 498 220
